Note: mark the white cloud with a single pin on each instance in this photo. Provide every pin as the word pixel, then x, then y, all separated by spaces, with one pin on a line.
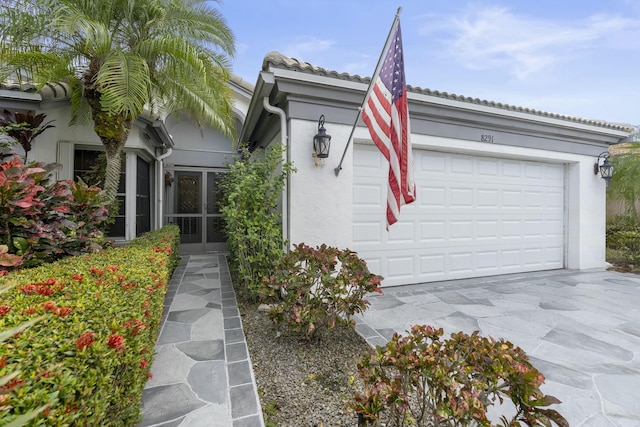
pixel 307 48
pixel 495 38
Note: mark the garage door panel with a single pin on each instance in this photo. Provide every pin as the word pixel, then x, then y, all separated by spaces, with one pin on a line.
pixel 487 198
pixel 461 197
pixel 535 171
pixel 462 166
pixel 435 164
pixel 461 230
pixel 432 197
pixel 487 168
pixel 404 232
pixel 461 262
pixel 367 232
pixel 431 265
pixel 512 169
pixel 474 216
pixel 487 229
pixel 368 196
pixel 432 231
pixel 399 267
pixel 487 260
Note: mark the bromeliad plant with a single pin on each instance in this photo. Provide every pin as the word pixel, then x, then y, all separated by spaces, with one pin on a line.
pixel 422 380
pixel 318 287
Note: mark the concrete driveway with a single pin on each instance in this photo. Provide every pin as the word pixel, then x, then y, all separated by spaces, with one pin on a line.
pixel 580 329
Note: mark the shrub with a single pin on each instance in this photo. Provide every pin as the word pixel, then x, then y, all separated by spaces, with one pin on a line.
pixel 318 287
pixel 9 377
pixel 623 241
pixel 250 194
pixel 92 350
pixel 422 380
pixel 43 220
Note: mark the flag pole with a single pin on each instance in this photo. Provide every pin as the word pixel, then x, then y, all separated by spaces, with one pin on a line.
pixel 371 82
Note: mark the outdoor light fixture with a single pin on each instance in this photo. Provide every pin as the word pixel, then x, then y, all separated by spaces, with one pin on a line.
pixel 605 169
pixel 322 141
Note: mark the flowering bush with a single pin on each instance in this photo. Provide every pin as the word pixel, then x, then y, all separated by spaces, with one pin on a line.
pixel 88 357
pixel 317 287
pixel 42 220
pixel 422 380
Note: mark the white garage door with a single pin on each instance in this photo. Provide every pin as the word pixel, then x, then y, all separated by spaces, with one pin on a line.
pixel 474 216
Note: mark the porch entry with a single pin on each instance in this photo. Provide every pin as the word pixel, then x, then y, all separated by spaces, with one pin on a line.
pixel 192 204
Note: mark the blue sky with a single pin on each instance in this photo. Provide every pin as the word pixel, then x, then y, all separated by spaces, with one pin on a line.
pixel 579 58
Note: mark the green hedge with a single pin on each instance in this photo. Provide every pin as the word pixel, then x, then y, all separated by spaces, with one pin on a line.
pixel 90 355
pixel 623 242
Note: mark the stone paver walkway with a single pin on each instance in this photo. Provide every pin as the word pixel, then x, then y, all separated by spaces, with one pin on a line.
pixel 202 374
pixel 580 329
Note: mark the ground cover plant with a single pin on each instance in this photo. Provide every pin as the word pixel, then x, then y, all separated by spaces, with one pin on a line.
pixel 88 356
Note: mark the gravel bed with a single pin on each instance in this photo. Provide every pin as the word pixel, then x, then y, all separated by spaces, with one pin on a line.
pixel 301 383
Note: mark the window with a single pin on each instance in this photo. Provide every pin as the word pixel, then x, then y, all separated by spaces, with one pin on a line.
pixel 89 165
pixel 143 197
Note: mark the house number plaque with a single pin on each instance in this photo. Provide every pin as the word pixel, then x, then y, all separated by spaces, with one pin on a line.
pixel 486 138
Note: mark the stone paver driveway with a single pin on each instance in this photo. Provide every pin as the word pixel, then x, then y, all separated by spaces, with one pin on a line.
pixel 580 329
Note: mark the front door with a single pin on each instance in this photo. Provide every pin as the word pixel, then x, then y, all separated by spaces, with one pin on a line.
pixel 192 204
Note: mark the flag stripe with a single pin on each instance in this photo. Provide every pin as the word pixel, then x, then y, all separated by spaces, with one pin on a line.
pixel 385 112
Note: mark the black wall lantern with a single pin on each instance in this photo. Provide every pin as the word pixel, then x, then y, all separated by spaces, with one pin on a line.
pixel 605 168
pixel 322 141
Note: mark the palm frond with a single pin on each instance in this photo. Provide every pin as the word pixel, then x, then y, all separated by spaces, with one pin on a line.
pixel 213 108
pixel 123 81
pixel 80 110
pixel 73 18
pixel 198 21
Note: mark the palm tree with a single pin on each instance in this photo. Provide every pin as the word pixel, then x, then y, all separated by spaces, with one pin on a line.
pixel 120 57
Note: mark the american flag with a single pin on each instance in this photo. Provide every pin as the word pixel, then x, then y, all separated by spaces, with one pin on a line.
pixel 386 114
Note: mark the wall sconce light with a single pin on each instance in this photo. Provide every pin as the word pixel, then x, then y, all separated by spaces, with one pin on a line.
pixel 605 169
pixel 321 142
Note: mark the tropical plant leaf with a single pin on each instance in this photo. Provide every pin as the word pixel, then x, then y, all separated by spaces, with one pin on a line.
pixel 555 416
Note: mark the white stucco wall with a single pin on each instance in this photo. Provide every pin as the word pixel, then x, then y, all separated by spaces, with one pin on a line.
pixel 45 147
pixel 321 202
pixel 322 205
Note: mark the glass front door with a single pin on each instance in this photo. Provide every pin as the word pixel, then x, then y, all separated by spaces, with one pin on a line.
pixel 192 204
